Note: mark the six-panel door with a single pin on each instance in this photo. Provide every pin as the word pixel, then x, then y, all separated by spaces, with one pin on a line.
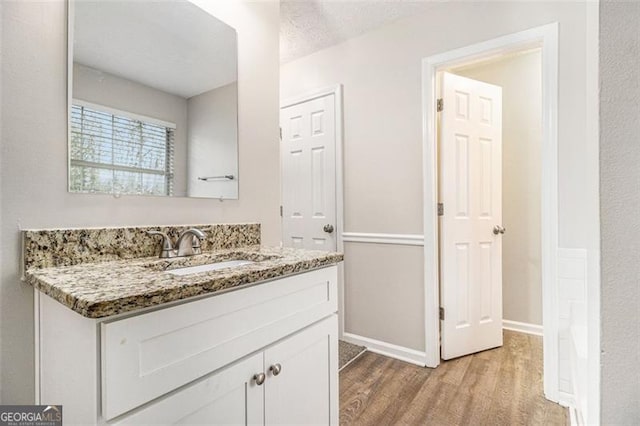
pixel 471 191
pixel 308 161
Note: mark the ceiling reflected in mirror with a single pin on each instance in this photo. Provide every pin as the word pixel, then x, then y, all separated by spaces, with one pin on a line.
pixel 154 100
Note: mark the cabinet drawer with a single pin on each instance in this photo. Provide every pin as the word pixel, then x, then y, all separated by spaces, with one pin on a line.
pixel 146 356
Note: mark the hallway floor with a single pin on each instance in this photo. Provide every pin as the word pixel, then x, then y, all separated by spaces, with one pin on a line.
pixel 501 386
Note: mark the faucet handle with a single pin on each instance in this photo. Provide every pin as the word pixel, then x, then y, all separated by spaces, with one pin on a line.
pixel 167 245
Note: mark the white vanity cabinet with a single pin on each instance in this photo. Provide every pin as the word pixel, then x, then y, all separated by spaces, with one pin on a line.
pixel 198 362
pixel 300 392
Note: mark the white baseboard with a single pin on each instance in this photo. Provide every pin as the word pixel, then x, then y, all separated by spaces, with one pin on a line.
pixel 573 418
pixel 565 399
pixel 387 349
pixel 523 327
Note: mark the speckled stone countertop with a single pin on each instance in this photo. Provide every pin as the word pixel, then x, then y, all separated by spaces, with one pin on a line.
pixel 44 248
pixel 98 290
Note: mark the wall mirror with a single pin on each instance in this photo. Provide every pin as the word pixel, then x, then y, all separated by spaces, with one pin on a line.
pixel 153 100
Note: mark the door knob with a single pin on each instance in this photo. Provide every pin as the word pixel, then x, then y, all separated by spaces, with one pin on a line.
pixel 259 378
pixel 498 230
pixel 328 228
pixel 275 369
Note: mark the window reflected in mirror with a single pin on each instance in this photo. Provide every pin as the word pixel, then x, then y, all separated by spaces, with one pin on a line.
pixel 153 91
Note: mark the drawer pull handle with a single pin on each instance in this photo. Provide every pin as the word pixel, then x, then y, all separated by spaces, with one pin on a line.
pixel 275 369
pixel 259 378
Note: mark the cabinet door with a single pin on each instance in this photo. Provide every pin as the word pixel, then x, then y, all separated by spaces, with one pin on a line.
pixel 227 397
pixel 305 390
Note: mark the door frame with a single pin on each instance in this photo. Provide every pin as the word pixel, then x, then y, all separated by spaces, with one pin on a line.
pixel 545 37
pixel 335 90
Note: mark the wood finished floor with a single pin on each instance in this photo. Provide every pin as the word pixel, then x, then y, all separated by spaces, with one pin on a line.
pixel 498 387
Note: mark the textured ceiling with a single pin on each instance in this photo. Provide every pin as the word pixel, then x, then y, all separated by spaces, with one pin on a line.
pixel 307 26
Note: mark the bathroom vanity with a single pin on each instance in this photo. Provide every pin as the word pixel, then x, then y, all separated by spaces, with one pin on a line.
pixel 130 341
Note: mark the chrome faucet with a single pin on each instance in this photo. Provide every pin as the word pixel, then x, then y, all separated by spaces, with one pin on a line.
pixel 188 243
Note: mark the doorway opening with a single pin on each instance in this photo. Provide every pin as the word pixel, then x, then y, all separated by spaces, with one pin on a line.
pixel 543 40
pixel 519 76
pixel 489 183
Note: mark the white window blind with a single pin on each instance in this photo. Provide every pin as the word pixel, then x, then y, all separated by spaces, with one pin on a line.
pixel 119 155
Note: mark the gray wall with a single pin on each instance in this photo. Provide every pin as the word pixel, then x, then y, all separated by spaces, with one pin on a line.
pixel 384 275
pixel 381 74
pixel 520 77
pixel 34 157
pixel 620 213
pixel 106 89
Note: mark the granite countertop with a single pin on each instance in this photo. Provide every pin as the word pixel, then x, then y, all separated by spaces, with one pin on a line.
pixel 98 290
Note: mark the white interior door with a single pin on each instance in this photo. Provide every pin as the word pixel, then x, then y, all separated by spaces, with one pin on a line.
pixel 308 162
pixel 470 182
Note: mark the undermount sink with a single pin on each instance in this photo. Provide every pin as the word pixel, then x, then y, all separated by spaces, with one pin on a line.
pixel 210 267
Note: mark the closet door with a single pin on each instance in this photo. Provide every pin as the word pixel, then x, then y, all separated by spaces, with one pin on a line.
pixel 308 162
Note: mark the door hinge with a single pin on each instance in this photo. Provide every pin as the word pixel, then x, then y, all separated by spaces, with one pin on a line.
pixel 440 209
pixel 442 313
pixel 439 105
pixel 280 211
pixel 280 134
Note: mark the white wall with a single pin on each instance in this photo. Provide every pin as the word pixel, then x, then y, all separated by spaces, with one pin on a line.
pixel 34 157
pixel 106 89
pixel 213 150
pixel 572 291
pixel 380 71
pixel 520 77
pixel 620 201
